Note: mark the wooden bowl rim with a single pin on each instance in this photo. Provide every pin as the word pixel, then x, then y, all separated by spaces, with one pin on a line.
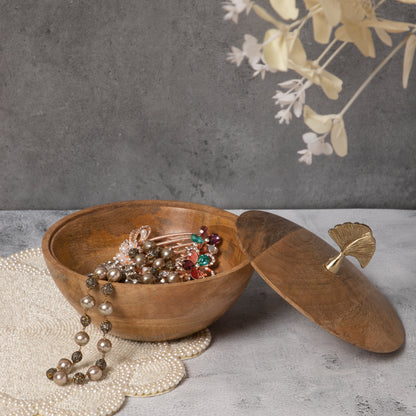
pixel 50 233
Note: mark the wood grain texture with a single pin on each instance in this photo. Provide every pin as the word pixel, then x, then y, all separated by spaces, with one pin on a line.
pixel 75 245
pixel 347 304
pixel 257 231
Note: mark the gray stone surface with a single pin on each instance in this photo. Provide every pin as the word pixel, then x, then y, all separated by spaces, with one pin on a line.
pixel 268 359
pixel 106 100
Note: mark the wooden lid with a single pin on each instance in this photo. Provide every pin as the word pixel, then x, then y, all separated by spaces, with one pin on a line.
pixel 291 260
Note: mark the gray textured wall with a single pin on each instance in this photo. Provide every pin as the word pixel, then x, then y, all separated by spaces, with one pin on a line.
pixel 114 100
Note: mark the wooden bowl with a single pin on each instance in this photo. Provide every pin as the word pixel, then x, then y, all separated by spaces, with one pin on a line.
pixel 75 245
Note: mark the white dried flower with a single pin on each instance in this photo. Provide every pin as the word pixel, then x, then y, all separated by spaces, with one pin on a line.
pixel 235 7
pixel 294 97
pixel 252 50
pixel 284 116
pixel 316 146
pixel 236 56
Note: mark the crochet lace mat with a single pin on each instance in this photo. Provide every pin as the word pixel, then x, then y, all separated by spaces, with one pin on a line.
pixel 37 326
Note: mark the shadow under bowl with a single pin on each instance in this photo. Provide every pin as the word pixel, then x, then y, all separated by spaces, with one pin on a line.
pixel 76 244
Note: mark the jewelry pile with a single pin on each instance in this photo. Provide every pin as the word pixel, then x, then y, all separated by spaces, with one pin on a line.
pixel 169 258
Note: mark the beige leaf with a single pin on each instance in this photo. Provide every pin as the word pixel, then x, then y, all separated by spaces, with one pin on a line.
pixel 297 54
pixel 285 8
pixel 332 10
pixel 389 25
pixel 321 28
pixel 383 36
pixel 409 53
pixel 275 51
pixel 362 38
pixel 263 14
pixel 308 71
pixel 341 34
pixel 320 124
pixel 339 138
pixel 352 11
pixel 331 84
pixel 325 19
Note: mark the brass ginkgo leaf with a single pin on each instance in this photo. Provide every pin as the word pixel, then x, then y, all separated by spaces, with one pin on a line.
pixel 353 239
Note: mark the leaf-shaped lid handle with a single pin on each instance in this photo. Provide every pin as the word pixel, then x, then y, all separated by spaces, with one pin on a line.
pixel 353 239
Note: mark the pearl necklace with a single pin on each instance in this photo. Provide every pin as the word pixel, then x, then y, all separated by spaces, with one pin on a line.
pixel 60 374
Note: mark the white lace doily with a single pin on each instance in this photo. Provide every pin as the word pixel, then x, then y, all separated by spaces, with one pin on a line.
pixel 37 326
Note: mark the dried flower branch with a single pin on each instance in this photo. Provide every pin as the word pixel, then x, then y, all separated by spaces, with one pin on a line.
pixel 335 24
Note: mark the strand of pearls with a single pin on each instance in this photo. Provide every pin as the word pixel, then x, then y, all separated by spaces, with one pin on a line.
pixel 59 374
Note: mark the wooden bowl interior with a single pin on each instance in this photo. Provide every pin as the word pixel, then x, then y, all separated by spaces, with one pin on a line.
pixel 87 240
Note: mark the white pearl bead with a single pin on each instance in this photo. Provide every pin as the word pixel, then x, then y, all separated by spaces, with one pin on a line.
pixel 106 308
pixel 65 365
pixel 104 345
pixel 60 378
pixel 87 302
pixel 81 338
pixel 114 274
pixel 140 259
pixel 100 272
pixel 147 278
pixel 158 263
pixel 94 373
pixel 173 277
pixel 166 253
pixel 148 245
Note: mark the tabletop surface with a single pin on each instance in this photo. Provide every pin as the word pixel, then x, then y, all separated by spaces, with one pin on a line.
pixel 266 358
